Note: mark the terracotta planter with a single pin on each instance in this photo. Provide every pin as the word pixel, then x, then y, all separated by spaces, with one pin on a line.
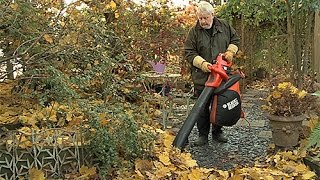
pixel 285 130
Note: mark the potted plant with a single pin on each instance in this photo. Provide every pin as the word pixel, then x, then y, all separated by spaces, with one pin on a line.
pixel 286 106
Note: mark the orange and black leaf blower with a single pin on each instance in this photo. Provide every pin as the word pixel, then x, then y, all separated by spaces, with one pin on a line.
pixel 225 102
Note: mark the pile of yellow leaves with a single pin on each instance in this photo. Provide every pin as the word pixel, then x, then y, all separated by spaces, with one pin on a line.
pixel 171 163
pixel 287 100
pixel 84 173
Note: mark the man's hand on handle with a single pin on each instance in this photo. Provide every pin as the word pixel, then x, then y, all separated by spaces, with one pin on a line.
pixel 202 64
pixel 231 51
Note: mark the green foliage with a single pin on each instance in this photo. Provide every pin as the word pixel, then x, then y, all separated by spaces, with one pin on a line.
pixel 264 25
pixel 316 93
pixel 314 139
pixel 120 140
pixel 51 85
pixel 254 12
pixel 94 78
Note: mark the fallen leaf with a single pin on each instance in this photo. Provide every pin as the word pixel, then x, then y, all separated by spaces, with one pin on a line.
pixel 195 174
pixel 48 38
pixel 308 175
pixel 35 174
pixel 164 171
pixel 143 165
pixel 14 6
pixel 164 158
pixel 86 171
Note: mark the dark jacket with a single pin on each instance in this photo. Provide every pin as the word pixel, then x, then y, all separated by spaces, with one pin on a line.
pixel 200 43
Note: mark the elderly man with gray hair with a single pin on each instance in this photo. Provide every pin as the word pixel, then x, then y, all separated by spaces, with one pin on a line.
pixel 205 41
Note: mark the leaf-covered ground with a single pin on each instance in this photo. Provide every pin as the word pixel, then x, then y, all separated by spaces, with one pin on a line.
pixel 245 156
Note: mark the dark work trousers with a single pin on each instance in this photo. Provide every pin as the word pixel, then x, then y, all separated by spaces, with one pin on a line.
pixel 203 123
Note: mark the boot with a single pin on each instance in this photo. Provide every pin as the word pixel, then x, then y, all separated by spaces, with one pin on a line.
pixel 219 137
pixel 202 140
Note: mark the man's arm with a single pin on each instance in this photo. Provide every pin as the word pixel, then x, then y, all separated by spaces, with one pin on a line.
pixel 191 54
pixel 190 47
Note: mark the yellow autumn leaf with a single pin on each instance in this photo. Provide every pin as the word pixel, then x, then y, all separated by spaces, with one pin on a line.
pixel 26 130
pixel 289 155
pixel 14 6
pixel 157 113
pixel 24 142
pixel 236 177
pixel 308 175
pixel 284 85
pixel 157 164
pixel 9 113
pixel 160 1
pixel 30 120
pixel 268 177
pixel 162 172
pixel 48 38
pixel 39 116
pixel 139 173
pixel 59 141
pixel 86 171
pixel 191 163
pixel 187 160
pixel 168 139
pixel 294 90
pixel 302 94
pixel 213 177
pixel 35 174
pixel 183 175
pixel 172 168
pixel 195 174
pixel 62 23
pixel 313 123
pixel 223 174
pixel 164 158
pixel 276 158
pixel 116 15
pixel 112 5
pixel 301 168
pixel 69 117
pixel 276 94
pixel 279 173
pixel 265 107
pixel 102 116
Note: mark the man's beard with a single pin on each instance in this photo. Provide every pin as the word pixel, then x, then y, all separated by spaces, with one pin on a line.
pixel 206 26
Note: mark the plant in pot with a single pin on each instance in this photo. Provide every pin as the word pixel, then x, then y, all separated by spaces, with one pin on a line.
pixel 286 106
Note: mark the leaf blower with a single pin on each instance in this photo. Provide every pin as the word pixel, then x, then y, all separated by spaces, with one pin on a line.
pixel 223 88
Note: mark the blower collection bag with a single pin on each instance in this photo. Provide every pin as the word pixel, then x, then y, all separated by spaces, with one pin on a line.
pixel 226 107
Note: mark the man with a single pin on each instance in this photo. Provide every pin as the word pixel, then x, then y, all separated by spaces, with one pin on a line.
pixel 209 37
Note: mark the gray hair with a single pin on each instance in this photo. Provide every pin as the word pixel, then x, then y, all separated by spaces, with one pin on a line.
pixel 204 6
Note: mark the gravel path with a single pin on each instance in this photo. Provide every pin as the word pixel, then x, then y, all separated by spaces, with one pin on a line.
pixel 245 143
